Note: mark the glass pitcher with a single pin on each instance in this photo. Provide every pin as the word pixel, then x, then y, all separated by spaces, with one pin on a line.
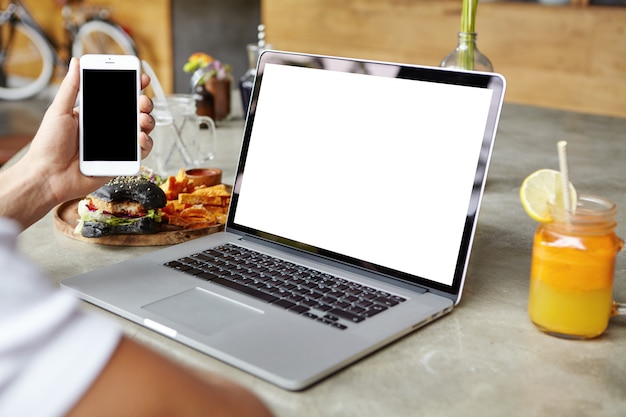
pixel 182 139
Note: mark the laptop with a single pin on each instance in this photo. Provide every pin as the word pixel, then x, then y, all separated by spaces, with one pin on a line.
pixel 351 221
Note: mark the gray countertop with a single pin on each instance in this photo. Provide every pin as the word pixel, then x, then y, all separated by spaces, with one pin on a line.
pixel 485 358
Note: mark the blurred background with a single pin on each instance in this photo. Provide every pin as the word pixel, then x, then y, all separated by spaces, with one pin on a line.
pixel 220 28
pixel 166 32
pixel 565 54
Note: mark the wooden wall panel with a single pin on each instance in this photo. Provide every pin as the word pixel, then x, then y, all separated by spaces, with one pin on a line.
pixel 565 57
pixel 148 22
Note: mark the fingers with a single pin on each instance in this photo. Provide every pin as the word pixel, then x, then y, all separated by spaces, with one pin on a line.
pixel 146 121
pixel 145 80
pixel 145 141
pixel 145 104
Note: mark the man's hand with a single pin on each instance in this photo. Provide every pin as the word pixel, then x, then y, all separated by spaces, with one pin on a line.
pixel 48 174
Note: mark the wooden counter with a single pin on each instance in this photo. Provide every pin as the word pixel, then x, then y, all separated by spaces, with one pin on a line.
pixel 566 57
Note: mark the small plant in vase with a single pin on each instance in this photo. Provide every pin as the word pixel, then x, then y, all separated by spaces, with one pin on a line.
pixel 466 55
pixel 211 83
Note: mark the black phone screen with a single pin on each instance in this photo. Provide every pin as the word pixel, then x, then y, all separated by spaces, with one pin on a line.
pixel 109 115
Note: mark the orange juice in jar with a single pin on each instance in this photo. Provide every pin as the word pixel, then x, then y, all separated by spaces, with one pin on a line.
pixel 573 262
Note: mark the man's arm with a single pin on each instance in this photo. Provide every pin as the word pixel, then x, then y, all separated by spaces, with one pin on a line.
pixel 135 381
pixel 138 382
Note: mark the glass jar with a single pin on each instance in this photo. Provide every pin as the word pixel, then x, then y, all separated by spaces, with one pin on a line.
pixel 467 56
pixel 182 138
pixel 572 268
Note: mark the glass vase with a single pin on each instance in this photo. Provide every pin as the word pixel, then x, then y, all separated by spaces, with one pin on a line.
pixel 467 56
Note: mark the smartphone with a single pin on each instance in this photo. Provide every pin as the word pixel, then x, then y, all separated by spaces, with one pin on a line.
pixel 109 115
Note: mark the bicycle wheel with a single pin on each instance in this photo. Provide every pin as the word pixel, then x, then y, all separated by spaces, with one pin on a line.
pixel 101 37
pixel 28 64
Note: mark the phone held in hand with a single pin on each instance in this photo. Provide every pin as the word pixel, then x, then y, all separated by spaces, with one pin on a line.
pixel 109 115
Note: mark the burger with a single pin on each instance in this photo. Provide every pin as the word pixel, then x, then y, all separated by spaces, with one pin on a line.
pixel 124 205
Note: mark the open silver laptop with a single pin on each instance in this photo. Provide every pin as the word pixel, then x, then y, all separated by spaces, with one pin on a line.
pixel 359 183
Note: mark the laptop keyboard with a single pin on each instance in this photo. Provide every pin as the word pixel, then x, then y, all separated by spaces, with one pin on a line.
pixel 301 290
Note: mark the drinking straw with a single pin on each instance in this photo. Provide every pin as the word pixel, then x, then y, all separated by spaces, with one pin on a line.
pixel 562 148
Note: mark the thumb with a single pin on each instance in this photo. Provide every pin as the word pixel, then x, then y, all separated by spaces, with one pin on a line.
pixel 65 99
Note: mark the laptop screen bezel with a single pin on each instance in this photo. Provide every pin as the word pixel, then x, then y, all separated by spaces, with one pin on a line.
pixel 492 81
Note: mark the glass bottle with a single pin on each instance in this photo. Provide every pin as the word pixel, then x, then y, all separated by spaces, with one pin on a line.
pixel 572 268
pixel 467 56
pixel 246 82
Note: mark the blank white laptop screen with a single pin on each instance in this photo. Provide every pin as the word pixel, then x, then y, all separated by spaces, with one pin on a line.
pixel 338 190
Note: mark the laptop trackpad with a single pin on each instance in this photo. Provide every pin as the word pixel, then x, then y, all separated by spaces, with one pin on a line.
pixel 202 310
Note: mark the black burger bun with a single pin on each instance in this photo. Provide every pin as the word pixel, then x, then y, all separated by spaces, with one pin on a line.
pixel 142 226
pixel 138 189
pixel 123 206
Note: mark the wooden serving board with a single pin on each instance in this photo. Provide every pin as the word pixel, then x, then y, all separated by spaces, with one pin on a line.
pixel 66 218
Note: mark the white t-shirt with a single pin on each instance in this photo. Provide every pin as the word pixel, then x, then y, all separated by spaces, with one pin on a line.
pixel 50 350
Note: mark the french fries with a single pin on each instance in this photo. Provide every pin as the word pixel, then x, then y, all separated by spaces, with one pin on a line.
pixel 193 207
pixel 176 185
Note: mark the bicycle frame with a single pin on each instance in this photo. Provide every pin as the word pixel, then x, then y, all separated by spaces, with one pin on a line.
pixel 87 30
pixel 17 11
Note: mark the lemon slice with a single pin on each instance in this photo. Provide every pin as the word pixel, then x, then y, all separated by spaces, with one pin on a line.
pixel 541 188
